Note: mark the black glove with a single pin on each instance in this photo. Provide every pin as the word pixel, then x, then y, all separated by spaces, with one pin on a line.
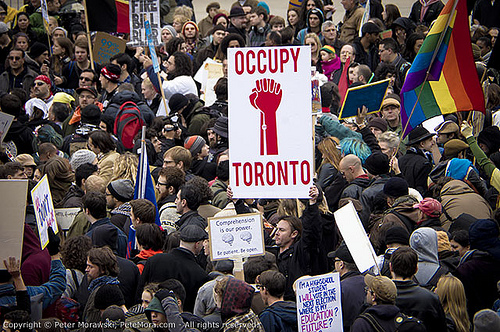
pixel 163 293
pixel 54 242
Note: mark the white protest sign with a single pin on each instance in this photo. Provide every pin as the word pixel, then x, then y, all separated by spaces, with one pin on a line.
pixel 44 210
pixel 240 235
pixel 5 122
pixel 13 207
pixel 270 122
pixel 208 75
pixel 65 217
pixel 355 237
pixel 318 303
pixel 139 11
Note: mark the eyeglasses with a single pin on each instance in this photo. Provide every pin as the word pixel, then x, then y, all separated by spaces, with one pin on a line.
pixel 15 58
pixel 40 83
pixel 162 184
pixel 86 79
pixel 259 286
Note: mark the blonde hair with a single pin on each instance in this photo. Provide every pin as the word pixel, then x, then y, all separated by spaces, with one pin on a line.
pixel 184 11
pixel 452 296
pixel 288 207
pixel 316 39
pixel 330 152
pixel 125 167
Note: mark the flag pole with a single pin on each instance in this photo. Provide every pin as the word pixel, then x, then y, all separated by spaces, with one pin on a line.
pixel 89 41
pixel 142 185
pixel 434 55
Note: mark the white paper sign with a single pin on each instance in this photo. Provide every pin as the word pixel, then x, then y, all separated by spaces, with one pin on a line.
pixel 139 11
pixel 355 237
pixel 44 210
pixel 318 303
pixel 65 217
pixel 240 235
pixel 5 122
pixel 13 207
pixel 270 122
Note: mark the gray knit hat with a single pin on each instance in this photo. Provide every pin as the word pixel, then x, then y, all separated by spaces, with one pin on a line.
pixel 171 29
pixel 194 144
pixel 486 320
pixel 122 190
pixel 81 157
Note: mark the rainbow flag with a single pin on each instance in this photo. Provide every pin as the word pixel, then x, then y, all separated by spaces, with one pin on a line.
pixel 442 78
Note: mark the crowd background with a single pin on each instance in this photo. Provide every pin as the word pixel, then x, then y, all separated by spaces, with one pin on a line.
pixel 429 202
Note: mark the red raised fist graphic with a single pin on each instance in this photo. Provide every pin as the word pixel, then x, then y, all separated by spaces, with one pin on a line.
pixel 266 97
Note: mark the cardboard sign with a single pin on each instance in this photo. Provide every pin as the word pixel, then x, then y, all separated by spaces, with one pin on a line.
pixel 139 11
pixel 369 95
pixel 208 75
pixel 13 207
pixel 5 123
pixel 65 217
pixel 355 237
pixel 44 210
pixel 240 235
pixel 106 45
pixel 318 303
pixel 270 123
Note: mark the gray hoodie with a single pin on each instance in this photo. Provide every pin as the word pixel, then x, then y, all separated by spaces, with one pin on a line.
pixel 425 242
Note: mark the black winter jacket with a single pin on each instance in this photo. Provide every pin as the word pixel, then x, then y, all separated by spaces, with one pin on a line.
pixel 415 167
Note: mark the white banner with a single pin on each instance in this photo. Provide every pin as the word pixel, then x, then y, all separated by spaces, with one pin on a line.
pixel 66 216
pixel 270 122
pixel 318 303
pixel 139 11
pixel 240 235
pixel 44 210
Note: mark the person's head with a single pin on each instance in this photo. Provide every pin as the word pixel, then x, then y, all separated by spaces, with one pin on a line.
pixel 388 50
pixel 101 262
pixel 364 74
pixel 42 87
pixel 101 141
pixel 74 252
pixel 167 33
pixel 148 293
pixel 176 287
pixel 386 70
pixel 21 41
pixel 81 157
pixel 148 90
pixel 192 237
pixel 203 188
pixel 63 47
pixel 189 30
pixel 413 44
pixel 179 64
pixel 95 183
pixel 197 146
pixel 388 142
pixel 329 31
pixel 188 199
pixel 347 51
pixel 11 104
pixel 315 19
pixel 370 32
pixel 312 39
pixel 327 53
pixel 358 147
pixel 277 23
pixel 218 33
pixel 459 242
pixel 349 4
pixel 272 286
pixel 86 96
pixel 110 76
pixel 149 236
pixel 342 260
pixel 47 151
pixel 83 172
pixel 23 21
pixel 170 179
pixel 293 17
pixel 258 17
pixel 255 265
pixel 88 77
pixel 403 263
pixel 81 51
pixel 12 170
pixel 142 212
pixel 390 109
pixel 28 163
pixel 390 13
pixel 179 157
pixel 16 59
pixel 288 231
pixel 446 131
pixel 94 205
pixel 58 32
pixel 238 17
pixel 58 112
pixel 486 320
pixel 484 44
pixel 329 151
pixel 350 167
pixel 451 294
pixel 493 33
pixel 119 192
pixel 39 52
pixel 380 290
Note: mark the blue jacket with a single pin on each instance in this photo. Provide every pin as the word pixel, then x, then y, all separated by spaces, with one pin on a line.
pixel 280 316
pixel 51 290
pixel 121 241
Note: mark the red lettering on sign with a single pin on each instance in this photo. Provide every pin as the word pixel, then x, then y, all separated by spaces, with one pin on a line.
pixel 305 177
pixel 294 170
pixel 270 169
pixel 272 173
pixel 247 174
pixel 239 62
pixel 283 173
pixel 266 60
pixel 259 170
pixel 251 68
pixel 236 166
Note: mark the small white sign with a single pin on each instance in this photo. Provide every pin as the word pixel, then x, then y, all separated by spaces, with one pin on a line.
pixel 318 303
pixel 240 235
pixel 44 210
pixel 65 217
pixel 5 123
pixel 139 11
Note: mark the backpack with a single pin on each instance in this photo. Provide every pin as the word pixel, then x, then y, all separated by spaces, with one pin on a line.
pixel 403 323
pixel 128 123
pixel 67 308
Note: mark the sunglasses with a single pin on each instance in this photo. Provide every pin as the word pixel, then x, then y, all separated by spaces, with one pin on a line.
pixel 40 83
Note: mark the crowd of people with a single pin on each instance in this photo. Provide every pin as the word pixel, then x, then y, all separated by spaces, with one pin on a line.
pixel 429 202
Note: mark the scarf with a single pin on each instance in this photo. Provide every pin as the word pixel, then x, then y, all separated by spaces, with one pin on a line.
pixel 425 7
pixel 101 281
pixel 330 66
pixel 77 114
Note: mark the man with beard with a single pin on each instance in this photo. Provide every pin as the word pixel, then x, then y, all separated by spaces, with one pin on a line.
pixel 187 202
pixel 118 195
pixel 41 89
pixel 170 179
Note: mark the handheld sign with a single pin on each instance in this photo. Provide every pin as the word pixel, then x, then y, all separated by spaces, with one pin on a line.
pixel 138 11
pixel 66 216
pixel 355 237
pixel 240 235
pixel 318 303
pixel 44 210
pixel 106 45
pixel 13 207
pixel 152 51
pixel 270 127
pixel 5 122
pixel 369 95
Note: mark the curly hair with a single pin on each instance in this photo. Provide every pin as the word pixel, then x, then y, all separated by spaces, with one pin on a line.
pixel 203 188
pixel 74 252
pixel 183 65
pixel 125 167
